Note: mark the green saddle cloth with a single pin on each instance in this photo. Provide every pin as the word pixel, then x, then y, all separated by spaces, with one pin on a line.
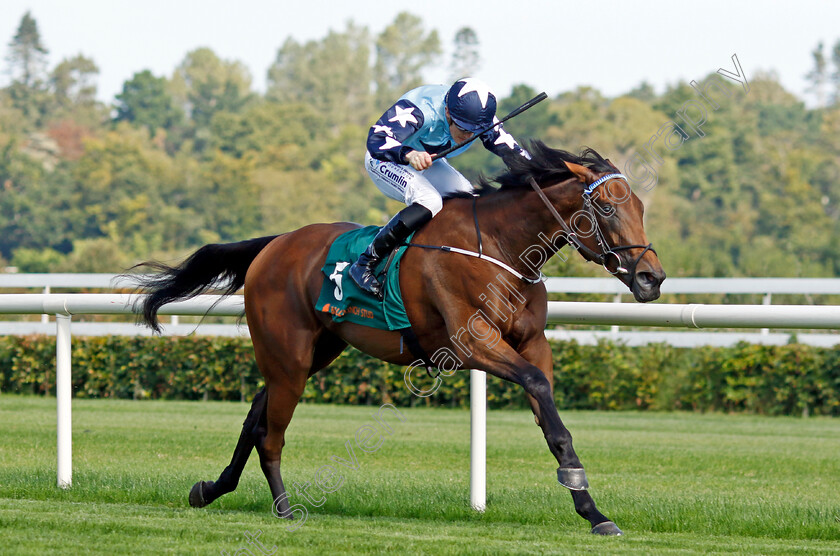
pixel 345 301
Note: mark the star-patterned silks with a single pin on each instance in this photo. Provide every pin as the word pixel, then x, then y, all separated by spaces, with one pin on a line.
pixel 504 138
pixel 390 143
pixel 480 87
pixel 406 126
pixel 383 129
pixel 403 115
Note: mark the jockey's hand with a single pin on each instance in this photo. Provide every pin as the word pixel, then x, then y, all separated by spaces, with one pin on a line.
pixel 419 160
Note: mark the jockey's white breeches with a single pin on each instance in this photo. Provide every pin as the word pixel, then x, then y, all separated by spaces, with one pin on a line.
pixel 405 184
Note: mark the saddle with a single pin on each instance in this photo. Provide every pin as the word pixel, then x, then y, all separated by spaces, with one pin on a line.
pixel 344 301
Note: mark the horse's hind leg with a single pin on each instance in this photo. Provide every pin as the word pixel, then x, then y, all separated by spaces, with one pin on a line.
pixel 254 429
pixel 205 492
pixel 285 381
pixel 282 401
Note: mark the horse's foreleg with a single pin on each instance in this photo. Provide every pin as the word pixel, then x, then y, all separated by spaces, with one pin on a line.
pixel 205 492
pixel 570 472
pixel 532 369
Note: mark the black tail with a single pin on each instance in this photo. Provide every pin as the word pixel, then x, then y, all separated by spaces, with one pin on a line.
pixel 221 266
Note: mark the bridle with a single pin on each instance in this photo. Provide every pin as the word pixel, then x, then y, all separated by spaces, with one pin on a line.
pixel 602 258
pixel 607 252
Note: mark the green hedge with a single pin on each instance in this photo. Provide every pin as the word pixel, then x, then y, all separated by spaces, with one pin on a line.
pixel 775 380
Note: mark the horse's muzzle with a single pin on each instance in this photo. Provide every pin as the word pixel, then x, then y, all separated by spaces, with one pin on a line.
pixel 645 285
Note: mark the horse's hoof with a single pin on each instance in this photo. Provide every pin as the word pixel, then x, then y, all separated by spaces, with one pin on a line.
pixel 197 494
pixel 607 528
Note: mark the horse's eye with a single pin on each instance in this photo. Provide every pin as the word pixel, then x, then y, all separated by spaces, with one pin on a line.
pixel 608 209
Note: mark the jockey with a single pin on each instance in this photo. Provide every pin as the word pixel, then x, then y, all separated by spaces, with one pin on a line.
pixel 400 145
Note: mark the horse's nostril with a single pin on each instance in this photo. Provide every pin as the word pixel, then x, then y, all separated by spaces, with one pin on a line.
pixel 646 279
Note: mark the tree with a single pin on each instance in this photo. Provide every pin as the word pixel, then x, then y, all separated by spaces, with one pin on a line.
pixel 532 123
pixel 332 75
pixel 126 190
pixel 145 102
pixel 204 84
pixel 264 126
pixel 73 84
pixel 403 49
pixel 27 55
pixel 27 60
pixel 12 121
pixel 227 197
pixel 835 76
pixel 644 91
pixel 817 76
pixel 466 59
pixel 74 81
pixel 36 260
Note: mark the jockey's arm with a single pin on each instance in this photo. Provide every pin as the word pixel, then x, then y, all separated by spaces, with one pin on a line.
pixel 386 137
pixel 502 144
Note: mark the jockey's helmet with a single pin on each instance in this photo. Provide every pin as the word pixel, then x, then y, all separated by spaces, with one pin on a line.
pixel 471 103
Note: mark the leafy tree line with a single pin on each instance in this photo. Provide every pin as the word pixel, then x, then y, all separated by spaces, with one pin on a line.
pixel 198 156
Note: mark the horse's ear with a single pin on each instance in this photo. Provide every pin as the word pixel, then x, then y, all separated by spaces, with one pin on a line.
pixel 583 173
pixel 613 165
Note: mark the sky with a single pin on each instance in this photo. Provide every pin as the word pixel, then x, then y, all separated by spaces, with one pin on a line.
pixel 553 46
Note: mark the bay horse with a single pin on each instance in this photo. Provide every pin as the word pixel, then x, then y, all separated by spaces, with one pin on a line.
pixel 547 201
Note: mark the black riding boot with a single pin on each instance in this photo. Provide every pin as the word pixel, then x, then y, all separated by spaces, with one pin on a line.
pixel 408 220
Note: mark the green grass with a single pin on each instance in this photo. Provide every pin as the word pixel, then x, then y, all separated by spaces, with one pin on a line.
pixel 676 483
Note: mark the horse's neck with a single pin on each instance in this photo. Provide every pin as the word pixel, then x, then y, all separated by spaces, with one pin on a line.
pixel 516 220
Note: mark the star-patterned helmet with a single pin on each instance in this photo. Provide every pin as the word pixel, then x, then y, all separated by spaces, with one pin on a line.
pixel 471 103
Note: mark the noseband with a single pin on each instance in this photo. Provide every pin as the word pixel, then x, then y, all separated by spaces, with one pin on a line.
pixel 602 258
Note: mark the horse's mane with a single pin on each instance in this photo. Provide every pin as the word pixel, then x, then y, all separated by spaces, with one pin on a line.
pixel 546 164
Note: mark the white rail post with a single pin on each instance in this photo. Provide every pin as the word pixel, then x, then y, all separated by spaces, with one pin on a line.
pixel 768 299
pixel 478 439
pixel 614 328
pixel 63 394
pixel 45 318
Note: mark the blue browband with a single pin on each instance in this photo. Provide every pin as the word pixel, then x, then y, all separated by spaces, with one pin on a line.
pixel 591 187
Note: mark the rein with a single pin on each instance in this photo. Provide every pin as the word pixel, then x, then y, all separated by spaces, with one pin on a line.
pixel 602 258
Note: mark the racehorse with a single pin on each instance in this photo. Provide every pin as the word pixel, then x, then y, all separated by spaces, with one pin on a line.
pixel 544 202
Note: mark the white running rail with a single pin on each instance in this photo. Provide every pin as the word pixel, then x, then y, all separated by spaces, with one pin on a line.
pixel 64 306
pixel 668 315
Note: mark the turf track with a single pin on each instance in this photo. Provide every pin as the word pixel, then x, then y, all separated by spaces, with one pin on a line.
pixel 676 483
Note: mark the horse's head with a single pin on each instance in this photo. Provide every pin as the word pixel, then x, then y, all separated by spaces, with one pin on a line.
pixel 607 227
pixel 586 202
